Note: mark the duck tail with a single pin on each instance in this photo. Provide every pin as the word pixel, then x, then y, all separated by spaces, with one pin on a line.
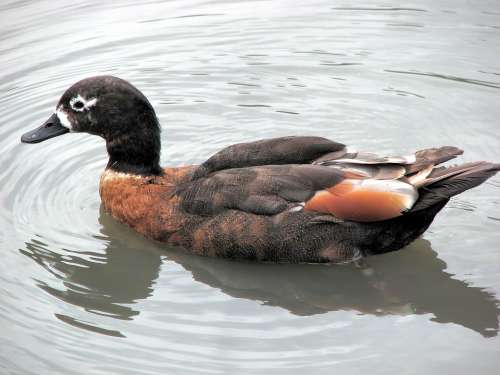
pixel 443 183
pixel 432 156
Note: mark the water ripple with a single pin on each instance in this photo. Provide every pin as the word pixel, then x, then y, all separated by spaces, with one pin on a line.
pixel 450 77
pixel 82 293
pixel 384 9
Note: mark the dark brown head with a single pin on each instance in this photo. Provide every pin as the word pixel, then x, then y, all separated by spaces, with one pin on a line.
pixel 115 110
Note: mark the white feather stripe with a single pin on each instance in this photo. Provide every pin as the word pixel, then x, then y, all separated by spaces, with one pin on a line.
pixel 366 158
pixel 63 118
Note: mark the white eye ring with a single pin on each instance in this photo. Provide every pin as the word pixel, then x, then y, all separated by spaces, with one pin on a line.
pixel 79 104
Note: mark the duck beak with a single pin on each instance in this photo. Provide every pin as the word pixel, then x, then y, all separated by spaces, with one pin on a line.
pixel 50 129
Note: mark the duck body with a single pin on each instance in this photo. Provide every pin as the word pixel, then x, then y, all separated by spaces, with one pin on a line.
pixel 154 208
pixel 288 199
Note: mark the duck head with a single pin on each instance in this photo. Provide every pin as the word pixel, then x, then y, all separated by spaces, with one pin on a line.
pixel 115 110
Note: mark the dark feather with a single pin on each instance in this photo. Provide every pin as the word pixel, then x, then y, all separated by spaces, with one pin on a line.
pixel 458 182
pixel 263 190
pixel 284 150
pixel 433 156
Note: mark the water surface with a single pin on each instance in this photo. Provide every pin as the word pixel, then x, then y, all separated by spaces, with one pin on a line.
pixel 83 294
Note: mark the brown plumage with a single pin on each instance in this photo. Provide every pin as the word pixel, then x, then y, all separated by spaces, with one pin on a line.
pixel 292 199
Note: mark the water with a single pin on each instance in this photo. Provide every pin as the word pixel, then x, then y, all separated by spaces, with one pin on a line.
pixel 82 294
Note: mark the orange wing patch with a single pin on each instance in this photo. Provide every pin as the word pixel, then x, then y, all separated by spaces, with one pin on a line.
pixel 364 200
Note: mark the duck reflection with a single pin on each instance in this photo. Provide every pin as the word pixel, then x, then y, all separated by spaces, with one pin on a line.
pixel 106 283
pixel 412 281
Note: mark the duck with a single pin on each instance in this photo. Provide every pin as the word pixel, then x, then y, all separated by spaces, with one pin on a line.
pixel 295 199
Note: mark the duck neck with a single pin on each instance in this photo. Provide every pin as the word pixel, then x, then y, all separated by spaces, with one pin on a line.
pixel 135 153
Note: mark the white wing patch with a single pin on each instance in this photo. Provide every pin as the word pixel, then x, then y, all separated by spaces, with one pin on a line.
pixel 406 191
pixel 297 208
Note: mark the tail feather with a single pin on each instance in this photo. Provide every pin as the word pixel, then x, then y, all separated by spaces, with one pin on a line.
pixel 446 172
pixel 449 182
pixel 433 156
pixel 419 179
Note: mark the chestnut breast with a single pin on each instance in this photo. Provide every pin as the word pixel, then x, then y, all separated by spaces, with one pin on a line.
pixel 145 203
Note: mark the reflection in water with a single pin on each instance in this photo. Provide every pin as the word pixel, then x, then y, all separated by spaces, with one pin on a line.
pixel 401 283
pixel 120 276
pixel 106 283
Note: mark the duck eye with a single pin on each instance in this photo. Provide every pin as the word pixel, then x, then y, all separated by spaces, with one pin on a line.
pixel 78 105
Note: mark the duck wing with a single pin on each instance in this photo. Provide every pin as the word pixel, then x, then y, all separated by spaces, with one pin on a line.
pixel 311 174
pixel 274 151
pixel 322 151
pixel 316 189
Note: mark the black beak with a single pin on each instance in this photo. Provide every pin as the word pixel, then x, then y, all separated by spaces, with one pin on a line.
pixel 50 129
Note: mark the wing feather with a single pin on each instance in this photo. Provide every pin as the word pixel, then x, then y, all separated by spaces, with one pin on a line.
pixel 311 174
